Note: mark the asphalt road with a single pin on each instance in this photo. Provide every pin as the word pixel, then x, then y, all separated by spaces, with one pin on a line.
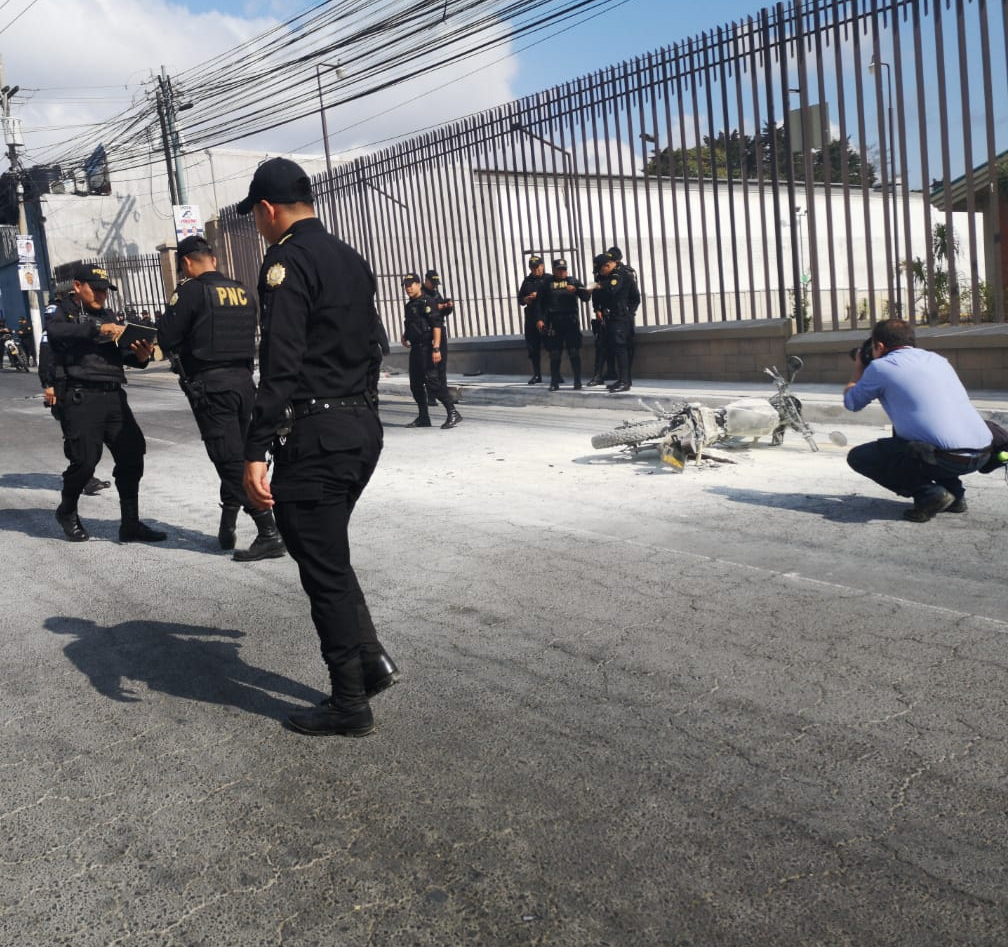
pixel 743 705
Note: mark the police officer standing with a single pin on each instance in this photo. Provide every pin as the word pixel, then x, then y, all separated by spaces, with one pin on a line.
pixel 528 296
pixel 208 329
pixel 616 299
pixel 52 378
pixel 560 317
pixel 431 288
pixel 422 328
pixel 83 336
pixel 320 339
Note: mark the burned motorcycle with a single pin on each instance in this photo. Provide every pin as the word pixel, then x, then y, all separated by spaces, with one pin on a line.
pixel 684 430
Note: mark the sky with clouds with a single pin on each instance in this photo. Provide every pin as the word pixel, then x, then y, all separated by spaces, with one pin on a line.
pixel 72 85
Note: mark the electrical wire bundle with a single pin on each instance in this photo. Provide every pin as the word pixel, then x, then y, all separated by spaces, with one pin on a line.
pixel 353 48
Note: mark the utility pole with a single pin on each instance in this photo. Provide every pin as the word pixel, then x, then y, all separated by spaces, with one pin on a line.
pixel 167 110
pixel 166 143
pixel 12 134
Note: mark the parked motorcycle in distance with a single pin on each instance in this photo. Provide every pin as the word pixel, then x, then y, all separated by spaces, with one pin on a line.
pixel 15 353
pixel 684 430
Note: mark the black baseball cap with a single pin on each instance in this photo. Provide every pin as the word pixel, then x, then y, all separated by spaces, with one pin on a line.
pixel 410 278
pixel 559 264
pixel 96 276
pixel 279 181
pixel 614 253
pixel 432 275
pixel 535 261
pixel 601 260
pixel 193 244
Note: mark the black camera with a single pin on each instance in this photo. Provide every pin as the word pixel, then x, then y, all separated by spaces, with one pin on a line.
pixel 865 349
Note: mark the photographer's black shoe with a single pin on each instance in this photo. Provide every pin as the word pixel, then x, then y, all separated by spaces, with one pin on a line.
pixel 535 380
pixel 956 506
pixel 419 422
pixel 928 503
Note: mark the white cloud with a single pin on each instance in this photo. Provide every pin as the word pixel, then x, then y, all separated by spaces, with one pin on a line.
pixel 106 55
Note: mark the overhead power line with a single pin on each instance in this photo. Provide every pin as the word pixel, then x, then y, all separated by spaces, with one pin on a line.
pixel 270 81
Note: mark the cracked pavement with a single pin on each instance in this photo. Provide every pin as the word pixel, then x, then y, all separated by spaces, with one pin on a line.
pixel 744 705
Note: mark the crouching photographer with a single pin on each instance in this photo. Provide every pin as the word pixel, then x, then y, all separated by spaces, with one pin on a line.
pixel 938 436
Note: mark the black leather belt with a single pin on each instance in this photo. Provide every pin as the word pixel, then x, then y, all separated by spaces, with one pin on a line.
pixel 962 457
pixel 94 385
pixel 317 405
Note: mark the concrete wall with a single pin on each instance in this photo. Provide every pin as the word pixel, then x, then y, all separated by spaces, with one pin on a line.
pixel 739 351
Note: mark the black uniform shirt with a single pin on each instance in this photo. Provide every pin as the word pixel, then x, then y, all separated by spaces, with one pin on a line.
pixel 556 298
pixel 420 318
pixel 531 284
pixel 319 326
pixel 77 345
pixel 189 301
pixel 617 294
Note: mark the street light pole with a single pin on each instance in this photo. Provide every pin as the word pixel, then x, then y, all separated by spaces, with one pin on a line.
pixel 872 66
pixel 325 128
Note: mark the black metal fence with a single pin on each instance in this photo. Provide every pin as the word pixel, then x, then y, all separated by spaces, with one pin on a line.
pixel 833 160
pixel 139 282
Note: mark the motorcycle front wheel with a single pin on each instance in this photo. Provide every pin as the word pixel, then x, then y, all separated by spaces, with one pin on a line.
pixel 631 435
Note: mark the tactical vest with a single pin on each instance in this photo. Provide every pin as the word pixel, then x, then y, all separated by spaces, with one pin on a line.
pixel 224 330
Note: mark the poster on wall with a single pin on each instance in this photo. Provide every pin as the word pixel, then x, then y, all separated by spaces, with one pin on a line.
pixel 28 276
pixel 26 248
pixel 188 222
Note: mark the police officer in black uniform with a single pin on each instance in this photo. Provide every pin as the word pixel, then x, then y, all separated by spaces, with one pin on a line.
pixel 616 254
pixel 528 296
pixel 616 299
pixel 422 328
pixel 320 340
pixel 431 288
pixel 27 339
pixel 208 329
pixel 52 377
pixel 83 337
pixel 560 318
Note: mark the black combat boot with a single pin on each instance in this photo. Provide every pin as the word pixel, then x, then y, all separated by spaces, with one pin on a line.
pixel 380 671
pixel 131 530
pixel 228 524
pixel 66 516
pixel 452 420
pixel 347 713
pixel 267 545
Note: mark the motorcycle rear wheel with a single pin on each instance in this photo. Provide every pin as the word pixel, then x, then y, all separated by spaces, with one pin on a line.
pixel 631 435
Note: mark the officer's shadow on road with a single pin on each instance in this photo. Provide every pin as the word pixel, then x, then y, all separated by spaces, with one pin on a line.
pixel 184 661
pixel 100 517
pixel 840 509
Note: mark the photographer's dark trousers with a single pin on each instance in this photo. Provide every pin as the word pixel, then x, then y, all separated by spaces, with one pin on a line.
pixel 223 419
pixel 900 465
pixel 319 473
pixel 424 377
pixel 94 415
pixel 563 332
pixel 534 344
pixel 619 332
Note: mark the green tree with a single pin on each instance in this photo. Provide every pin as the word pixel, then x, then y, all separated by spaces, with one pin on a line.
pixel 734 155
